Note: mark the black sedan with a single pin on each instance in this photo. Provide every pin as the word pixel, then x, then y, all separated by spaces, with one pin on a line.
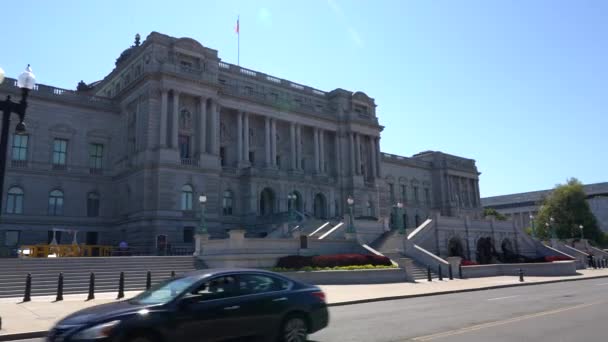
pixel 206 305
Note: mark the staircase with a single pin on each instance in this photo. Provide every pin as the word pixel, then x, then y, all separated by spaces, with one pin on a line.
pixel 390 245
pixel 76 273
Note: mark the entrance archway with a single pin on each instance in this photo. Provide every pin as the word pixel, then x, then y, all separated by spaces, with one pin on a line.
pixel 320 206
pixel 508 252
pixel 267 202
pixel 455 247
pixel 485 250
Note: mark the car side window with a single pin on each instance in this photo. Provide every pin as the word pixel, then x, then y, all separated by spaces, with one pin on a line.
pixel 217 288
pixel 259 283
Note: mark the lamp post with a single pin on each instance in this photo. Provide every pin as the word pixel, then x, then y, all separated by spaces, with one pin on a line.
pixel 202 229
pixel 399 218
pixel 26 82
pixel 582 233
pixel 552 227
pixel 291 197
pixel 532 226
pixel 351 222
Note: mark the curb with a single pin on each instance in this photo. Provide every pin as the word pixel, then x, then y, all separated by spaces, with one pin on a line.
pixel 39 334
pixel 494 287
pixel 23 336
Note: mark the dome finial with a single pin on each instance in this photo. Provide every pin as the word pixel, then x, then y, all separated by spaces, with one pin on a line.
pixel 137 39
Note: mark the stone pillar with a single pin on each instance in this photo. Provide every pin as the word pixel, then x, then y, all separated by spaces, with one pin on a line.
pixel 316 146
pixel 358 153
pixel 292 139
pixel 337 157
pixel 378 157
pixel 273 141
pixel 239 136
pixel 372 149
pixel 267 140
pixel 202 126
pixel 322 151
pixel 175 124
pixel 215 128
pixel 164 106
pixel 353 159
pixel 246 138
pixel 299 147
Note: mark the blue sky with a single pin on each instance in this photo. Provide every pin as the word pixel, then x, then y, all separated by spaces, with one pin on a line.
pixel 519 86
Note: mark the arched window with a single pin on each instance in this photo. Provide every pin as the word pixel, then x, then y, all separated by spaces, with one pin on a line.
pixel 14 201
pixel 227 200
pixel 56 203
pixel 93 204
pixel 186 197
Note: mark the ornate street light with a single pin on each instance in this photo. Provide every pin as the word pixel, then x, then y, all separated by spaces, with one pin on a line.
pixel 202 228
pixel 399 218
pixel 291 198
pixel 532 226
pixel 581 227
pixel 26 81
pixel 351 221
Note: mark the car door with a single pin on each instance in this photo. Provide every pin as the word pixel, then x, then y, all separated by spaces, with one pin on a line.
pixel 211 312
pixel 264 299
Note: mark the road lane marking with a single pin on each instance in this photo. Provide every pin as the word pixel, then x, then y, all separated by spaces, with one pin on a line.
pixel 500 298
pixel 602 284
pixel 503 322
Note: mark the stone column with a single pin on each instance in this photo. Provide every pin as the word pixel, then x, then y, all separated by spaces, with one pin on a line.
pixel 292 138
pixel 273 141
pixel 246 137
pixel 299 147
pixel 338 157
pixel 315 139
pixel 372 149
pixel 322 151
pixel 164 106
pixel 358 153
pixel 239 137
pixel 215 128
pixel 175 125
pixel 267 141
pixel 202 126
pixel 353 159
pixel 378 157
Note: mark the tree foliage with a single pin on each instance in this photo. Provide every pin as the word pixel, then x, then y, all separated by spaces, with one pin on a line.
pixel 568 206
pixel 492 212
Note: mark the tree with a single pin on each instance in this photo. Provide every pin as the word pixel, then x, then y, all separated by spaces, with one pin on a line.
pixel 568 206
pixel 492 212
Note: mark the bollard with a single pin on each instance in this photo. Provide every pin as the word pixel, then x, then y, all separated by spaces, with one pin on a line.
pixel 593 263
pixel 148 280
pixel 172 274
pixel 121 286
pixel 428 273
pixel 521 275
pixel 59 288
pixel 28 288
pixel 91 287
pixel 460 272
pixel 450 272
pixel 439 272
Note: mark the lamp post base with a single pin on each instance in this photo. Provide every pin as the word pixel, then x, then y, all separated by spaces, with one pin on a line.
pixel 199 240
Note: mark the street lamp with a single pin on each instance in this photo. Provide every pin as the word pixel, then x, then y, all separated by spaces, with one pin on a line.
pixel 290 203
pixel 399 218
pixel 202 228
pixel 351 222
pixel 26 81
pixel 582 234
pixel 532 226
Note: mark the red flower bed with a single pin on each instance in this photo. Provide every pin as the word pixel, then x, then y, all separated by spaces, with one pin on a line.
pixel 468 263
pixel 552 258
pixel 296 261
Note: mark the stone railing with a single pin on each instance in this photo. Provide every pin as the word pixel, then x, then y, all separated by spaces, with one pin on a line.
pixel 54 93
pixel 406 160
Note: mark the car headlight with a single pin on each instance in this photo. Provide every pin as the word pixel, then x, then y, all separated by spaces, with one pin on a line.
pixel 97 331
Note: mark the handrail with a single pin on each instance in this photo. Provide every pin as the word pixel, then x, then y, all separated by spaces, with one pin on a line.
pixel 331 230
pixel 419 229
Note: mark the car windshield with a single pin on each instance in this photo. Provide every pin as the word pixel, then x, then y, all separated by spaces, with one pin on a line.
pixel 165 291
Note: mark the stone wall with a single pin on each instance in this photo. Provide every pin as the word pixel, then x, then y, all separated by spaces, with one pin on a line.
pixel 549 269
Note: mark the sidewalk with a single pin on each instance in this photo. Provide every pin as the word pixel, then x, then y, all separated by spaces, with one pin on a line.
pixel 39 315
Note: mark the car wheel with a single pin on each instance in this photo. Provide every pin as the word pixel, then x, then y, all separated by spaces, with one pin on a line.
pixel 294 329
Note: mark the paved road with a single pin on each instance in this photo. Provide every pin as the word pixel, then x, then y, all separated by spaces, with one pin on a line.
pixel 571 311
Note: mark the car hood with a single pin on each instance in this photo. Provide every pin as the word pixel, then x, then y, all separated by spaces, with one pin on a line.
pixel 102 312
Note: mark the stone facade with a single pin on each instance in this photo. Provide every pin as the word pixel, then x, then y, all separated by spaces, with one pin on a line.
pixel 127 157
pixel 519 207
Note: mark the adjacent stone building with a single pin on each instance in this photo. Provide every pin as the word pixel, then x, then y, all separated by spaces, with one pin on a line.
pixel 127 157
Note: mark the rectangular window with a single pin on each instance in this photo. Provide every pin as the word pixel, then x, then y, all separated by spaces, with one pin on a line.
pixel 222 156
pixel 427 196
pixel 251 157
pixel 188 234
pixel 20 147
pixel 96 156
pixel 11 238
pixel 60 151
pixel 184 146
pixel 278 161
pixel 404 193
pixel 416 198
pixel 14 201
pixel 391 189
